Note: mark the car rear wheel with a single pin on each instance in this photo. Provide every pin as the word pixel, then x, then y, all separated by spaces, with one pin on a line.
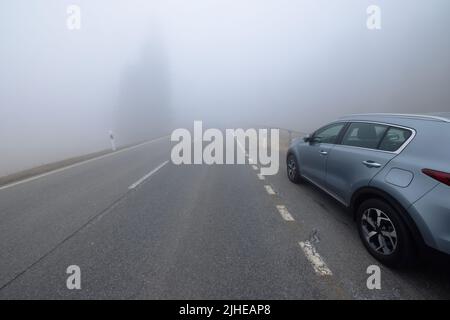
pixel 293 169
pixel 384 234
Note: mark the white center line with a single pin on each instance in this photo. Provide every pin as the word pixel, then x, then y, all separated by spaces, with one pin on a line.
pixel 134 185
pixel 285 213
pixel 269 189
pixel 260 176
pixel 316 260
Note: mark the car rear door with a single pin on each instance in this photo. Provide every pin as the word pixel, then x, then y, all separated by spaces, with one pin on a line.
pixel 356 160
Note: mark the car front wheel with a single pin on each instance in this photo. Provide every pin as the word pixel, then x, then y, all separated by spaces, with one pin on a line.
pixel 293 169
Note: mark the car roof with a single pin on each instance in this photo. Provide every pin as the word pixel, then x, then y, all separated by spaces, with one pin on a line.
pixel 399 118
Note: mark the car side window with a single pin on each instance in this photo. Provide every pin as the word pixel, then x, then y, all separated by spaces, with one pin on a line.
pixel 364 135
pixel 394 139
pixel 328 134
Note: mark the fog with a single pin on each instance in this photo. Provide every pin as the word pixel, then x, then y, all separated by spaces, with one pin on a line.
pixel 143 68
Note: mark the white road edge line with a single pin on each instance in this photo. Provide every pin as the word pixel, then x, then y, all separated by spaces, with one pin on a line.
pixel 285 213
pixel 316 260
pixel 260 176
pixel 134 185
pixel 78 164
pixel 269 189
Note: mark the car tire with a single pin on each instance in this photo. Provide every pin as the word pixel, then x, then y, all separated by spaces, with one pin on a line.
pixel 384 234
pixel 293 172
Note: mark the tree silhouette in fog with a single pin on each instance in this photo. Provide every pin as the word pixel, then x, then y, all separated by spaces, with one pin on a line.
pixel 143 110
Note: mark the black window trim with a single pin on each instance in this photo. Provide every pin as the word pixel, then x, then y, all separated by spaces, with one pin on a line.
pixel 384 136
pixel 388 125
pixel 342 133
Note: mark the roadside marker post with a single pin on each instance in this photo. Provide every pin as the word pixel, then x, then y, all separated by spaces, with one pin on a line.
pixel 113 143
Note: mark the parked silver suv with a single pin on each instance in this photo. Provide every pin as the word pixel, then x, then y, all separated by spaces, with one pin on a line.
pixel 392 171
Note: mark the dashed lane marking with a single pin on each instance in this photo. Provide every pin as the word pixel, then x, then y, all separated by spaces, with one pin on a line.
pixel 134 185
pixel 285 213
pixel 269 189
pixel 315 259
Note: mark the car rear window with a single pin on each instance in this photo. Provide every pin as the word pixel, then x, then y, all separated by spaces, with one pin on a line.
pixel 394 139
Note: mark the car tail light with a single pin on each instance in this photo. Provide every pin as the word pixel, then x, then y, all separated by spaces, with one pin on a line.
pixel 440 176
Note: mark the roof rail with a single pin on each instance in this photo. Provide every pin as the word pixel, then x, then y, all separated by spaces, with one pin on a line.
pixel 401 115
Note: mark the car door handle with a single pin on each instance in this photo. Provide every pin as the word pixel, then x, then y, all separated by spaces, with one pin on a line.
pixel 324 153
pixel 371 164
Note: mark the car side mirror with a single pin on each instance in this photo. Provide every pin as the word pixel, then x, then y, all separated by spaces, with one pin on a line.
pixel 307 138
pixel 311 139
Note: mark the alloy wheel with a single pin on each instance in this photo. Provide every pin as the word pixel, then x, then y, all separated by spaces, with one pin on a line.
pixel 292 168
pixel 379 231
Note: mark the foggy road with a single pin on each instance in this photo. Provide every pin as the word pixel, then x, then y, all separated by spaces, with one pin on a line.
pixel 139 226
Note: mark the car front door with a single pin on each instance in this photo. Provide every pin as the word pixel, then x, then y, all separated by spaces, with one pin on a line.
pixel 313 154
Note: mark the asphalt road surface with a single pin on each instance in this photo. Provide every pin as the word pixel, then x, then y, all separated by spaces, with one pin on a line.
pixel 140 227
